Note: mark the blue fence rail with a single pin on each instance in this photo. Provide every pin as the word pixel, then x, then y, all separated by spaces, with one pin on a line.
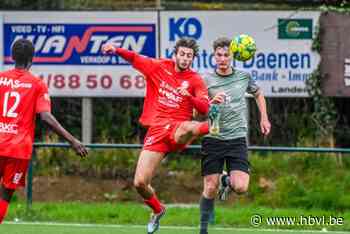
pixel 197 147
pixel 191 148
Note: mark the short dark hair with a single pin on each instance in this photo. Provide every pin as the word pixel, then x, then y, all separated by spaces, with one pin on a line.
pixel 22 52
pixel 188 43
pixel 221 42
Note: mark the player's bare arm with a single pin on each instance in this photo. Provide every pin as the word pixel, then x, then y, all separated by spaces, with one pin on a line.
pixel 141 63
pixel 78 147
pixel 265 125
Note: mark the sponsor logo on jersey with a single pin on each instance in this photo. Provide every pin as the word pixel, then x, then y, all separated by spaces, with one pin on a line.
pixel 149 140
pixel 8 128
pixel 169 95
pixel 185 84
pixel 17 177
pixel 14 84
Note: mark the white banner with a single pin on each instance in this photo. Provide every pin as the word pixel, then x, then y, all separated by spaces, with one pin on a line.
pixel 68 49
pixel 284 59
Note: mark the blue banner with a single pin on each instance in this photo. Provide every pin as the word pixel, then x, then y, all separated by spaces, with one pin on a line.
pixel 80 44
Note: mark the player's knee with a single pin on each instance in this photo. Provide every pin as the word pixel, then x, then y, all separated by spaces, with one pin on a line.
pixel 211 189
pixel 195 128
pixel 190 127
pixel 140 183
pixel 185 128
pixel 240 188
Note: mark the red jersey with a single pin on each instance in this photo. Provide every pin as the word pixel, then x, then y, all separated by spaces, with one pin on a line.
pixel 163 103
pixel 21 96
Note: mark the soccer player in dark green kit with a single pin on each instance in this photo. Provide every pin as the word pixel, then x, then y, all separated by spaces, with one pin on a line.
pixel 226 143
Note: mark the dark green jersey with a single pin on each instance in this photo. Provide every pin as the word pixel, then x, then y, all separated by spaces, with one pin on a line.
pixel 233 112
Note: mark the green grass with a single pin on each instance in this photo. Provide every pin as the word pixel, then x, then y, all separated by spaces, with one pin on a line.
pixel 226 215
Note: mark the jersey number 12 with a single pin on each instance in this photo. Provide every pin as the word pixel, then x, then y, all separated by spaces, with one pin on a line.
pixel 10 111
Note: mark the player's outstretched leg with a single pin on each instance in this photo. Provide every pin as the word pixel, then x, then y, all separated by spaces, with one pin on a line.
pixel 188 131
pixel 146 167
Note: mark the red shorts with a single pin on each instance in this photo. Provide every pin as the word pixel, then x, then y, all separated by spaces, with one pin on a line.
pixel 13 172
pixel 161 138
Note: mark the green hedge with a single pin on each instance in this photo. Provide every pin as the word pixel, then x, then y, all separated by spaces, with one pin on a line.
pixel 277 180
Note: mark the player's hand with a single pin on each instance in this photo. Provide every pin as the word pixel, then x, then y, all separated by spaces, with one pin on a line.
pixel 218 98
pixel 183 91
pixel 108 48
pixel 265 126
pixel 79 148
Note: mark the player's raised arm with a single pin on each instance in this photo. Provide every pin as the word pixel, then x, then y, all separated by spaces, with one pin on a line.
pixel 141 63
pixel 128 55
pixel 265 125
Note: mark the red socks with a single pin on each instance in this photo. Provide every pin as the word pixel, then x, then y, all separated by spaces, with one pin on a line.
pixel 3 209
pixel 154 203
pixel 203 128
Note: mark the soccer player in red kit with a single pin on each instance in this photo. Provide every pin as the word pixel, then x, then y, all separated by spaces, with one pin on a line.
pixel 173 91
pixel 22 96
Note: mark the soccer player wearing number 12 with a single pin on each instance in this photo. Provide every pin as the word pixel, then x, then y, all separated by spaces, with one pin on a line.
pixel 173 90
pixel 22 96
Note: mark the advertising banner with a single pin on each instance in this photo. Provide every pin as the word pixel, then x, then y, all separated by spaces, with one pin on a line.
pixel 283 61
pixel 68 49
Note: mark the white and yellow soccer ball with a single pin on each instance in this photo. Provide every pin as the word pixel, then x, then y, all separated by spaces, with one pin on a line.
pixel 243 47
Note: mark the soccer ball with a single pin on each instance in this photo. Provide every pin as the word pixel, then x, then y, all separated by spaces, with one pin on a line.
pixel 243 47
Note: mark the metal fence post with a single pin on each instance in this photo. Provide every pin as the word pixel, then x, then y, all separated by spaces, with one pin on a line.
pixel 30 182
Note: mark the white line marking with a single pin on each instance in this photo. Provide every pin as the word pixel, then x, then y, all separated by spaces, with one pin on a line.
pixel 170 227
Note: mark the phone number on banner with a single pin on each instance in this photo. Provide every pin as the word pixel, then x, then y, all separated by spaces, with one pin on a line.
pixel 93 82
